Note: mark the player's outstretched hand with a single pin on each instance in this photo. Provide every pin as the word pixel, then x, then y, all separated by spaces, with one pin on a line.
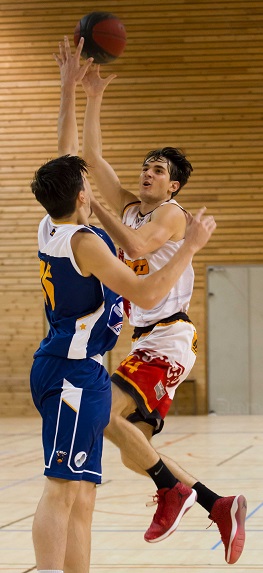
pixel 93 83
pixel 71 71
pixel 199 229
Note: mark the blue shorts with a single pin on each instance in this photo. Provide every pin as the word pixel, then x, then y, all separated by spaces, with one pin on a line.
pixel 74 400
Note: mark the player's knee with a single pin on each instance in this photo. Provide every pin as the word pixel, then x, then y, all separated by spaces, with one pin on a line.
pixel 61 492
pixel 85 499
pixel 126 461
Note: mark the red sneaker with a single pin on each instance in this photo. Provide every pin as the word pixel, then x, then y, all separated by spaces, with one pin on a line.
pixel 172 504
pixel 229 514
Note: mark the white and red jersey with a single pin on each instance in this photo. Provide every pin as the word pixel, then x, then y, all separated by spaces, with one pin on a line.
pixel 178 299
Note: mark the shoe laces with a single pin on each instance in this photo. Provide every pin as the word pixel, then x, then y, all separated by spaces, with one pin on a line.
pixel 157 499
pixel 223 537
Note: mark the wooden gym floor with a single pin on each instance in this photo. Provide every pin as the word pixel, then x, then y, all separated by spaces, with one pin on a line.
pixel 226 453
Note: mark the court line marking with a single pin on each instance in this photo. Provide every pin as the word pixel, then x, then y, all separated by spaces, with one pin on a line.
pixel 235 455
pixel 17 521
pixel 14 484
pixel 184 437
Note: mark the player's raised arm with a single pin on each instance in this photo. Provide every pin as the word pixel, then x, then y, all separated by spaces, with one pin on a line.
pixel 101 171
pixel 71 73
pixel 146 239
pixel 93 256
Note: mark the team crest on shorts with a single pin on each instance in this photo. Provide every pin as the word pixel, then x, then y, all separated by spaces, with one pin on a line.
pixel 159 390
pixel 80 459
pixel 60 456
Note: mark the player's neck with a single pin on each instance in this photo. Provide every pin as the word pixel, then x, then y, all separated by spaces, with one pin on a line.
pixel 148 207
pixel 77 218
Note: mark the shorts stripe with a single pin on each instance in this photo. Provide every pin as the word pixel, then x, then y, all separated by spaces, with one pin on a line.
pixel 72 445
pixel 93 473
pixel 55 437
pixel 69 405
pixel 137 388
pixel 151 327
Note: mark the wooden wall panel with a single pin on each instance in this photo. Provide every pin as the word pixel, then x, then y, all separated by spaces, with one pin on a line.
pixel 191 76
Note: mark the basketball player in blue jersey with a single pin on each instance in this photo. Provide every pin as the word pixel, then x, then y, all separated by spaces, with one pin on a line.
pixel 164 339
pixel 83 283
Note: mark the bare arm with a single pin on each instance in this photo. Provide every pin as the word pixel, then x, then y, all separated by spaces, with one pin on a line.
pixel 148 238
pixel 93 256
pixel 71 73
pixel 103 174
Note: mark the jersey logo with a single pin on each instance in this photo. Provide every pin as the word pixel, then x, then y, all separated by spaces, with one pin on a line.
pixel 47 286
pixel 60 456
pixel 116 316
pixel 121 254
pixel 140 266
pixel 159 390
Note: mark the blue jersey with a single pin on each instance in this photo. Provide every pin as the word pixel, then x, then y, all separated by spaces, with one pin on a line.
pixel 84 316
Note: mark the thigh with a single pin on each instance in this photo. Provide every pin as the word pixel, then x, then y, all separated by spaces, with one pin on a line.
pixel 122 402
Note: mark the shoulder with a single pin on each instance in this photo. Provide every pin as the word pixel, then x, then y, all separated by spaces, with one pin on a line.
pixel 104 236
pixel 171 216
pixel 90 238
pixel 169 210
pixel 44 232
pixel 44 223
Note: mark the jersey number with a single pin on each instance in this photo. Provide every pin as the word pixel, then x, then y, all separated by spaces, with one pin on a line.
pixel 47 286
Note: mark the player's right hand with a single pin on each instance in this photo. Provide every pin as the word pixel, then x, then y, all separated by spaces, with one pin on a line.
pixel 199 229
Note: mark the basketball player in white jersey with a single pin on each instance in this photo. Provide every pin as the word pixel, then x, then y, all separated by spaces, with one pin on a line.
pixel 164 339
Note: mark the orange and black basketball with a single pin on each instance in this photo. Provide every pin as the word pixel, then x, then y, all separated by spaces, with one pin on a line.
pixel 104 36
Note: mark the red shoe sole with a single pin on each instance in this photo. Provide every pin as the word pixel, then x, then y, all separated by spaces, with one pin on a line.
pixel 237 538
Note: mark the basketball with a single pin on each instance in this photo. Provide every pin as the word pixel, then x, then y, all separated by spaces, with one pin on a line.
pixel 104 36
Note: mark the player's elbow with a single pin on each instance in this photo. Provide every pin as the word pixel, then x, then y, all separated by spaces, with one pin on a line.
pixel 147 300
pixel 135 250
pixel 93 161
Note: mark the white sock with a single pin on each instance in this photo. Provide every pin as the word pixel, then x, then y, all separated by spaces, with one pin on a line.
pixel 49 571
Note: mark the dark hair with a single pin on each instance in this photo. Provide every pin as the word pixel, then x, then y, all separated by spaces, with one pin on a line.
pixel 57 184
pixel 178 166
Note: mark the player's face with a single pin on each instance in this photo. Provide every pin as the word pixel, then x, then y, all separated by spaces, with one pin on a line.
pixel 155 184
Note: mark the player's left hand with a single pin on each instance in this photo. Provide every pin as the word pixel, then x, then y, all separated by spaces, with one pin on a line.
pixel 93 83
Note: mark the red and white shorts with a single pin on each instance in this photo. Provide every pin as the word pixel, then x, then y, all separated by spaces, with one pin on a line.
pixel 160 360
